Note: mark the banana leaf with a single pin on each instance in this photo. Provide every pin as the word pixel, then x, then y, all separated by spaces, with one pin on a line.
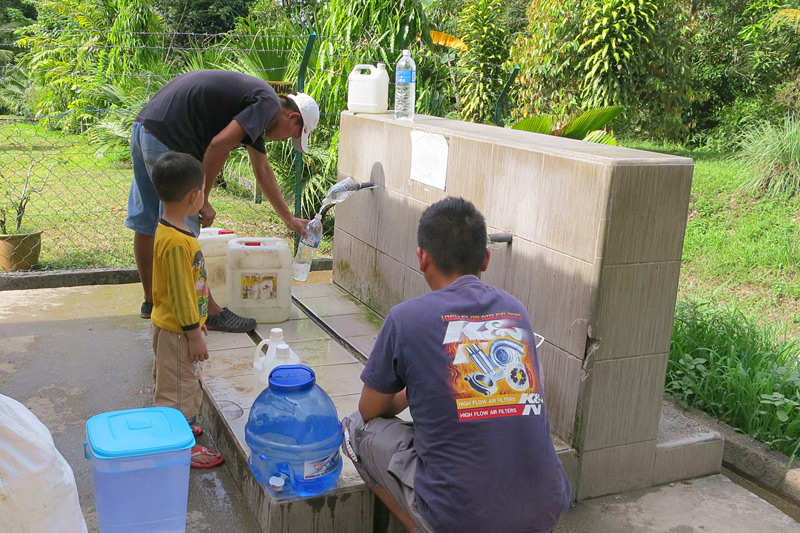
pixel 601 137
pixel 590 121
pixel 538 124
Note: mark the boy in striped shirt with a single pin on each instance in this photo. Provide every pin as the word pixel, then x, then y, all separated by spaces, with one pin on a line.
pixel 180 294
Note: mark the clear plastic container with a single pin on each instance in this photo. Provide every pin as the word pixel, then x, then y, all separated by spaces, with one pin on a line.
pixel 275 338
pixel 259 276
pixel 278 353
pixel 368 89
pixel 294 435
pixel 307 249
pixel 405 87
pixel 214 245
pixel 140 469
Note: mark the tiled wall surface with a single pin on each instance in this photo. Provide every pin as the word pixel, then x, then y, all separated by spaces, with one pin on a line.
pixel 598 233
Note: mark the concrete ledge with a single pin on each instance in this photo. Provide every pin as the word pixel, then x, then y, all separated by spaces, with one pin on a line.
pixel 50 279
pixel 749 458
pixel 342 509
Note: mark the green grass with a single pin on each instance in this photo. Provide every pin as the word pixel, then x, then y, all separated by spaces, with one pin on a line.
pixel 84 203
pixel 739 249
pixel 770 154
pixel 733 368
pixel 736 337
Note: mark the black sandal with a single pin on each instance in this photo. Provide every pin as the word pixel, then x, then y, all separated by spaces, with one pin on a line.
pixel 147 308
pixel 230 322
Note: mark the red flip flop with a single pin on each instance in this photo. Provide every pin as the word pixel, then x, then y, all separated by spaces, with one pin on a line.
pixel 198 450
pixel 197 431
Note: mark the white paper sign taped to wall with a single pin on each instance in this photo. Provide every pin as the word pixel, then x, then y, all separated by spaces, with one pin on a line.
pixel 429 158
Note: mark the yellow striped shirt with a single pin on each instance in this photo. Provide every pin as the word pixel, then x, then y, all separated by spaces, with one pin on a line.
pixel 180 292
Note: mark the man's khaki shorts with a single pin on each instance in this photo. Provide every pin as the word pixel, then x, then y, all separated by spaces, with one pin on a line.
pixel 385 456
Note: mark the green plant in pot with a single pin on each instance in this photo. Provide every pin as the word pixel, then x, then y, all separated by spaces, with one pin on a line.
pixel 19 246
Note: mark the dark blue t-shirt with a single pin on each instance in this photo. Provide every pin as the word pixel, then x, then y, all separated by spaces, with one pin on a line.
pixel 466 354
pixel 189 111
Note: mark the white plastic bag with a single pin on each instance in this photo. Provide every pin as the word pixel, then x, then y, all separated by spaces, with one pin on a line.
pixel 37 486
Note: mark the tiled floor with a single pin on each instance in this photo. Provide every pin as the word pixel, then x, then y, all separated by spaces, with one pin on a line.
pixel 335 357
pixel 228 374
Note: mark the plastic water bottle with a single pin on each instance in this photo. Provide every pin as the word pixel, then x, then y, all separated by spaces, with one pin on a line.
pixel 294 435
pixel 341 191
pixel 307 249
pixel 405 88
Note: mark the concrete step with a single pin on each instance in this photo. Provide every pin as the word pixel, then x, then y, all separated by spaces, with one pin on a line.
pixel 333 333
pixel 685 448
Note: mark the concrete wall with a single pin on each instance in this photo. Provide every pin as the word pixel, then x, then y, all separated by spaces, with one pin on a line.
pixel 598 234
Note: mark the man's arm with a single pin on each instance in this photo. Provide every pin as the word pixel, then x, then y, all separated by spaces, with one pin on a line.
pixel 265 178
pixel 374 404
pixel 214 159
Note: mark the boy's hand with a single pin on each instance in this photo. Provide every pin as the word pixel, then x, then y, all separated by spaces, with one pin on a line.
pixel 197 345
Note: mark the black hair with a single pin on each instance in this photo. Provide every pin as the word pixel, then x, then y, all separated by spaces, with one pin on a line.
pixel 291 105
pixel 453 232
pixel 175 175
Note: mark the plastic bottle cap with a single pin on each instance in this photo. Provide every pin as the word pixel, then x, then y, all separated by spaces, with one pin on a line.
pixel 291 378
pixel 277 482
pixel 225 231
pixel 406 52
pixel 276 334
pixel 252 243
pixel 282 349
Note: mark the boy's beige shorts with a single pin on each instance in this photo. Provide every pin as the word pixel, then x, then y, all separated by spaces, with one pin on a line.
pixel 175 382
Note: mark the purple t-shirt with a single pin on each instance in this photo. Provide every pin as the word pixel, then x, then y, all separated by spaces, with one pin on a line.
pixel 466 354
pixel 189 111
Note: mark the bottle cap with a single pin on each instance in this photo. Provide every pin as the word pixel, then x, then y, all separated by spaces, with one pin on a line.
pixel 406 52
pixel 276 482
pixel 382 65
pixel 282 350
pixel 276 334
pixel 291 378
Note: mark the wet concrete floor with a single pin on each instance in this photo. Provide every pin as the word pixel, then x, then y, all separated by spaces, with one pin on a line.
pixel 70 353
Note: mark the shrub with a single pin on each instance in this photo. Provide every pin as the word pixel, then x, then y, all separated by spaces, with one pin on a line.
pixel 770 158
pixel 738 371
pixel 487 50
pixel 578 55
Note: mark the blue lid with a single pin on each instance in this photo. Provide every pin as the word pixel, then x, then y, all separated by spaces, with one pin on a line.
pixel 138 432
pixel 291 378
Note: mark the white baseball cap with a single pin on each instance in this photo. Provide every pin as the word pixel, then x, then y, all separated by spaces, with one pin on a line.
pixel 309 110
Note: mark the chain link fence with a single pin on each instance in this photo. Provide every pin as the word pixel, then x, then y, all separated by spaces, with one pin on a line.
pixel 65 176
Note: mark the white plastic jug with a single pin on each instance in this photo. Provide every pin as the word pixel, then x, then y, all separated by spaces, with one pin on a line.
pixel 281 355
pixel 368 92
pixel 275 338
pixel 259 276
pixel 214 244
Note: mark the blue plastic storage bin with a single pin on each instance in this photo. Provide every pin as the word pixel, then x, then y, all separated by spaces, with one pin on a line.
pixel 294 435
pixel 140 469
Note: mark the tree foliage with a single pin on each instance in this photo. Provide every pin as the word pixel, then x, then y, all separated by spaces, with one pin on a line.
pixel 202 16
pixel 580 54
pixel 77 47
pixel 614 34
pixel 486 41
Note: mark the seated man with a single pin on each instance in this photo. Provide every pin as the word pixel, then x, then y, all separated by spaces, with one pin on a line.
pixel 478 455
